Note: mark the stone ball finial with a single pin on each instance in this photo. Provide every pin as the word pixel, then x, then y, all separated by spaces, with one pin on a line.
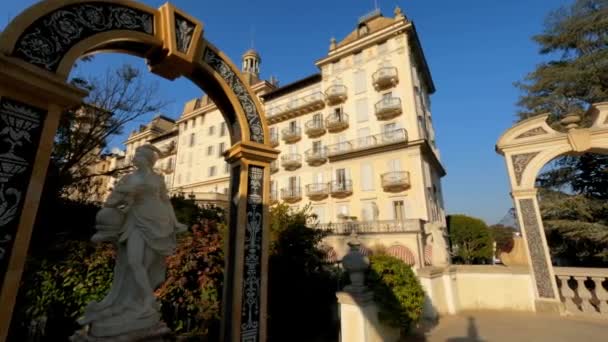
pixel 356 264
pixel 571 121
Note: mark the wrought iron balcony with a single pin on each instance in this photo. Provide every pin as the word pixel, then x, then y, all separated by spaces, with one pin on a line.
pixel 274 166
pixel 317 190
pixel 336 122
pixel 295 107
pixel 395 181
pixel 388 108
pixel 314 128
pixel 274 139
pixel 385 78
pixel 335 94
pixel 291 194
pixel 367 142
pixel 316 156
pixel 291 161
pixel 291 134
pixel 342 188
pixel 371 227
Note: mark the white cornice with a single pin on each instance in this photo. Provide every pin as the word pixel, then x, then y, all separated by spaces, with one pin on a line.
pixel 362 43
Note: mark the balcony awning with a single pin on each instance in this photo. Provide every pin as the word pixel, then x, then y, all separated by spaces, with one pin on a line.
pixel 402 253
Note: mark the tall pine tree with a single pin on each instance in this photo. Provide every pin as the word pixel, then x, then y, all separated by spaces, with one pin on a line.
pixel 575 75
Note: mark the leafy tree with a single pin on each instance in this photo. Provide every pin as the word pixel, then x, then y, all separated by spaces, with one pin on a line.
pixel 576 74
pixel 503 236
pixel 397 291
pixel 302 287
pixel 115 98
pixel 188 212
pixel 576 228
pixel 471 239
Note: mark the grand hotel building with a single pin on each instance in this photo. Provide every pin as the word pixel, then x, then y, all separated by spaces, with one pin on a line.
pixel 356 140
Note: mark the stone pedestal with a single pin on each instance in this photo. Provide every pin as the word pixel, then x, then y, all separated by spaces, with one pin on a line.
pixel 359 319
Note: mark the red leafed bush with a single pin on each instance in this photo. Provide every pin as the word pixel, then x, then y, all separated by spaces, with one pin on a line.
pixel 191 294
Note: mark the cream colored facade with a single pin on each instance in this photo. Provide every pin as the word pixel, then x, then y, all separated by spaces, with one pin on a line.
pixel 356 140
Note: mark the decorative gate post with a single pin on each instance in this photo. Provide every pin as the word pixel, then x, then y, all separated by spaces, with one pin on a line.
pixel 244 307
pixel 527 147
pixel 539 259
pixel 31 104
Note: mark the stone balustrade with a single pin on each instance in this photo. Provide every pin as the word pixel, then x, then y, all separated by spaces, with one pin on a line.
pixel 583 290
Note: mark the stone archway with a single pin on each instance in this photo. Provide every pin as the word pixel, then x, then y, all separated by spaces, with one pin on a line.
pixel 37 51
pixel 527 147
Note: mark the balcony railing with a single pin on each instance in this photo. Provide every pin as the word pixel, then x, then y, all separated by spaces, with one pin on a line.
pixel 395 181
pixel 291 194
pixel 583 290
pixel 385 78
pixel 298 106
pixel 316 156
pixel 274 166
pixel 314 128
pixel 335 94
pixel 317 190
pixel 370 141
pixel 341 188
pixel 336 122
pixel 370 227
pixel 291 134
pixel 291 161
pixel 274 139
pixel 388 108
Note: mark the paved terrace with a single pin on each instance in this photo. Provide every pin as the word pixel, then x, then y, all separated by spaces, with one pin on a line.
pixel 497 326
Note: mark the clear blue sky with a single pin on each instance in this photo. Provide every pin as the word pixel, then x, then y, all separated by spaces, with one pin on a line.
pixel 476 49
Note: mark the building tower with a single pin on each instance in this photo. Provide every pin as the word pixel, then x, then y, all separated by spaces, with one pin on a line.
pixel 251 66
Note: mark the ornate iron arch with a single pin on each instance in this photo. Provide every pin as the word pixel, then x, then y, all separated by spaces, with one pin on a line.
pixel 37 51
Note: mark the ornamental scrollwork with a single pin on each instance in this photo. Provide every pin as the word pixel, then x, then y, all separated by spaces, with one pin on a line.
pixel 49 38
pixel 256 131
pixel 20 127
pixel 520 161
pixel 253 254
pixel 544 283
pixel 184 30
pixel 531 133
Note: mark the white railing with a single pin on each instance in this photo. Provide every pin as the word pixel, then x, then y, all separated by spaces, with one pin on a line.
pixel 583 290
pixel 386 138
pixel 367 227
pixel 297 104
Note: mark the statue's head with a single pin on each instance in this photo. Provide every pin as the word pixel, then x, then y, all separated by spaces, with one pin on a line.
pixel 146 156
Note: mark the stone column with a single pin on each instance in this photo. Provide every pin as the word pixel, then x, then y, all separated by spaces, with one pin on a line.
pixel 31 104
pixel 244 310
pixel 531 225
pixel 358 312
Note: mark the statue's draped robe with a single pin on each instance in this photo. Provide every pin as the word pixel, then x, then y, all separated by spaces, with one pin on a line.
pixel 148 217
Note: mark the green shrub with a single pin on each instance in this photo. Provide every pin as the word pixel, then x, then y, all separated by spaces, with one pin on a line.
pixel 397 291
pixel 471 239
pixel 60 289
pixel 192 291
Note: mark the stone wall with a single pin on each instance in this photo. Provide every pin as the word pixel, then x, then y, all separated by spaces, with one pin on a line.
pixel 476 287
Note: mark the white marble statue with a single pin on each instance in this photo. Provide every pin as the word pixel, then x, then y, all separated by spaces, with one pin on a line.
pixel 139 219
